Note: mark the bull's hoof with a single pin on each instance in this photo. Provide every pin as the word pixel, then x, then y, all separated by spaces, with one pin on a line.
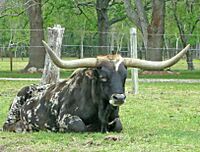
pixel 76 124
pixel 15 127
pixel 115 125
pixel 104 129
pixel 71 123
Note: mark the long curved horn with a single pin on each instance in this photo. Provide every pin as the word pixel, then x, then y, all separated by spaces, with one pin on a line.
pixel 155 65
pixel 79 63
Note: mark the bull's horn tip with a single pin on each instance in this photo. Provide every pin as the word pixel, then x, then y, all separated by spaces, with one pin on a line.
pixel 43 42
pixel 187 46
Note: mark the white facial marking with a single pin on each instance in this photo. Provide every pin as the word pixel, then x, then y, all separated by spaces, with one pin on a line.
pixel 118 63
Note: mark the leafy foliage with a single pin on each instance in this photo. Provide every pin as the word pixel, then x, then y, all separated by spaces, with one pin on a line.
pixel 187 13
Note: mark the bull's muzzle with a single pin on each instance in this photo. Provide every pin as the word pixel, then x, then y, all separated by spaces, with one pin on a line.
pixel 117 99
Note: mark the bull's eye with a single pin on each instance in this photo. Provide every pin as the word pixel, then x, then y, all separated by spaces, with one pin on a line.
pixel 103 79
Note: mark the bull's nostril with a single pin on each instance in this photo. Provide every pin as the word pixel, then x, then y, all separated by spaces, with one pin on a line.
pixel 119 97
pixel 115 97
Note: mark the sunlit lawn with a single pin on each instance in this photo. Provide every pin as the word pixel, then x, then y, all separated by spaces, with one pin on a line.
pixel 18 65
pixel 162 117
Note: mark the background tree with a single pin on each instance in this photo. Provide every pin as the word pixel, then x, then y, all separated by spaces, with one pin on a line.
pixel 186 15
pixel 36 50
pixel 101 16
pixel 106 17
pixel 14 11
pixel 11 22
pixel 103 22
pixel 153 31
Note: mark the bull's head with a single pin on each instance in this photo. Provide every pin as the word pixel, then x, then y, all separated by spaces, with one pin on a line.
pixel 111 77
pixel 111 70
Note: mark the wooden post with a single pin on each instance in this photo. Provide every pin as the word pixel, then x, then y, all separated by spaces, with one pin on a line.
pixel 133 47
pixel 51 73
pixel 11 49
pixel 82 39
pixel 82 50
pixel 166 54
pixel 11 61
pixel 112 45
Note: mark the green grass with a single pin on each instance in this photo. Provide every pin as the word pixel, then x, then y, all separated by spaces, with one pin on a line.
pixel 18 64
pixel 177 74
pixel 162 117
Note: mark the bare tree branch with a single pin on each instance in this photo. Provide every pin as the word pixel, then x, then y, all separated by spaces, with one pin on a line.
pixel 118 19
pixel 91 4
pixel 132 14
pixel 189 6
pixel 49 12
pixel 195 24
pixel 12 15
pixel 139 17
pixel 113 2
pixel 147 5
pixel 142 15
pixel 179 24
pixel 14 7
pixel 45 2
pixel 78 5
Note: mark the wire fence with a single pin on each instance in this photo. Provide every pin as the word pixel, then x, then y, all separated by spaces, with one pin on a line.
pixel 17 41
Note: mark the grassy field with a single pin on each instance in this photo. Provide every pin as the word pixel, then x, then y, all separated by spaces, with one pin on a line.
pixel 162 117
pixel 179 70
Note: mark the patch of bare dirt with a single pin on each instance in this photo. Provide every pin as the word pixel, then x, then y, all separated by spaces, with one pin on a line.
pixel 2 148
pixel 166 72
pixel 112 138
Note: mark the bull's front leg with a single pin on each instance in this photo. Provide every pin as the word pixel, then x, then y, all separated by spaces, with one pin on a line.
pixel 104 113
pixel 70 123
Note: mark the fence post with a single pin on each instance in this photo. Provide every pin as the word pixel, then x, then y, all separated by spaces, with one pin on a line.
pixel 81 47
pixel 133 50
pixel 11 49
pixel 11 60
pixel 51 73
pixel 112 45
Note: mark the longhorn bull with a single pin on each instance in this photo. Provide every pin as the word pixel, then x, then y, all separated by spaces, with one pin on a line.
pixel 88 100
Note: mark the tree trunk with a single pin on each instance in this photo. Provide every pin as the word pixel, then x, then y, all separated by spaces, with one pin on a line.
pixel 152 32
pixel 189 57
pixel 103 25
pixel 184 39
pixel 51 73
pixel 36 50
pixel 156 31
pixel 143 22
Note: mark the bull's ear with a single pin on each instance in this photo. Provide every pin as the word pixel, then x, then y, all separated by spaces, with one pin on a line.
pixel 89 73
